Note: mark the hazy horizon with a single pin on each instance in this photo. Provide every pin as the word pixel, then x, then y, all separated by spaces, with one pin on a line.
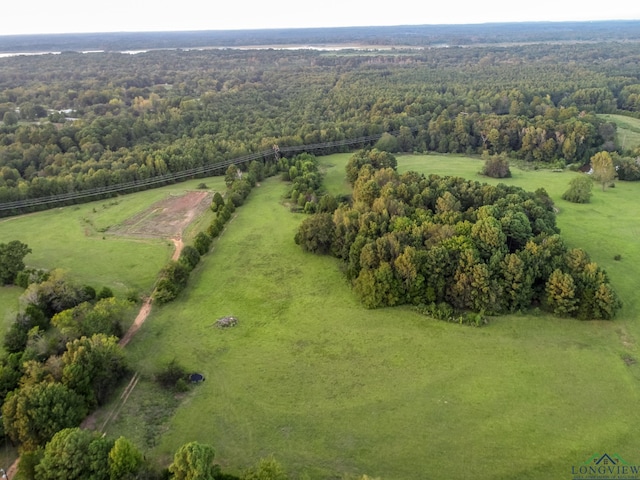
pixel 119 16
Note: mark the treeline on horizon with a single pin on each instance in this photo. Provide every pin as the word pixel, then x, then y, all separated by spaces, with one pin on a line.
pixel 73 122
pixel 400 35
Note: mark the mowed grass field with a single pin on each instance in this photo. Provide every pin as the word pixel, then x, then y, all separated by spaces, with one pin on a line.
pixel 76 239
pixel 331 389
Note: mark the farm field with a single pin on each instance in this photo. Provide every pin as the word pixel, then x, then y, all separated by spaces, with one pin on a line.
pixel 332 389
pixel 628 133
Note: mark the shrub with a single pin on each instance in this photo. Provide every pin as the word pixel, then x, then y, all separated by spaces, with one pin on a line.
pixel 202 243
pixel 216 227
pixel 105 292
pixel 189 257
pixel 497 167
pixel 237 199
pixel 316 233
pixel 31 275
pixel 217 202
pixel 172 279
pixel 133 295
pixel 628 169
pixel 579 190
pixel 170 375
pixel 89 292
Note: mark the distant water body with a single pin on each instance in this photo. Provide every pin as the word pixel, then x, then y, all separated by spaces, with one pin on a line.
pixel 330 48
pixel 28 54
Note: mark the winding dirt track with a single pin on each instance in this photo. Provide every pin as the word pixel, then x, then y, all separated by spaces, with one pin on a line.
pixel 144 312
pixel 145 309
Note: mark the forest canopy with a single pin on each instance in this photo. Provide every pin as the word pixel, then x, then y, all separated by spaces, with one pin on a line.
pixel 415 239
pixel 74 122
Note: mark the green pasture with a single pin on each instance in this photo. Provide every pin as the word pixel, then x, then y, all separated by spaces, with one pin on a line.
pixel 76 239
pixel 628 132
pixel 330 388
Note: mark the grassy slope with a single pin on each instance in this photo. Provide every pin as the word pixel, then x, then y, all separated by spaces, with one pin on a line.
pixel 628 132
pixel 331 388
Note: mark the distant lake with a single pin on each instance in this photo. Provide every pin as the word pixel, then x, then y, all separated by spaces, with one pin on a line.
pixel 331 48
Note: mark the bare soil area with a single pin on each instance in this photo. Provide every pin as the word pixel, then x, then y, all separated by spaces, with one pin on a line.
pixel 167 218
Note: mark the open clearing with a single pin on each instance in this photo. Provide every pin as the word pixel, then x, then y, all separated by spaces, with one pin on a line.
pixel 330 388
pixel 628 132
pixel 167 218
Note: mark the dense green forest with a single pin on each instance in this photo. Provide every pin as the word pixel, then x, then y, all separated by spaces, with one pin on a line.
pixel 73 121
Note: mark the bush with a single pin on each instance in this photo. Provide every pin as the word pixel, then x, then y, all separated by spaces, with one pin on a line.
pixel 133 295
pixel 31 275
pixel 628 169
pixel 497 167
pixel 215 228
pixel 89 292
pixel 217 202
pixel 170 376
pixel 579 190
pixel 189 257
pixel 172 279
pixel 237 199
pixel 105 292
pixel 202 243
pixel 316 233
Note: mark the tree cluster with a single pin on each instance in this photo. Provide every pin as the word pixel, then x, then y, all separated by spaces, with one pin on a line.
pixel 12 261
pixel 306 191
pixel 425 240
pixel 63 359
pixel 78 454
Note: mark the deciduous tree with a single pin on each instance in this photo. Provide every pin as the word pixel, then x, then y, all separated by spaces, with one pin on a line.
pixel 12 260
pixel 579 190
pixel 316 233
pixel 194 461
pixel 125 460
pixel 34 413
pixel 603 170
pixel 93 366
pixel 75 454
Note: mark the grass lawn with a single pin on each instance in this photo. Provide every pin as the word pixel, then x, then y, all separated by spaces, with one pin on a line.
pixel 330 388
pixel 74 238
pixel 628 132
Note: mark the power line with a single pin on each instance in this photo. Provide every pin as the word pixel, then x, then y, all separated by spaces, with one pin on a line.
pixel 82 196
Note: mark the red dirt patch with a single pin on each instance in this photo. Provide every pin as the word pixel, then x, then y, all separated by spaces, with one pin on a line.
pixel 167 218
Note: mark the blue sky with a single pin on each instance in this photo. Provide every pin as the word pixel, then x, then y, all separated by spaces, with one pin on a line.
pixel 64 16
